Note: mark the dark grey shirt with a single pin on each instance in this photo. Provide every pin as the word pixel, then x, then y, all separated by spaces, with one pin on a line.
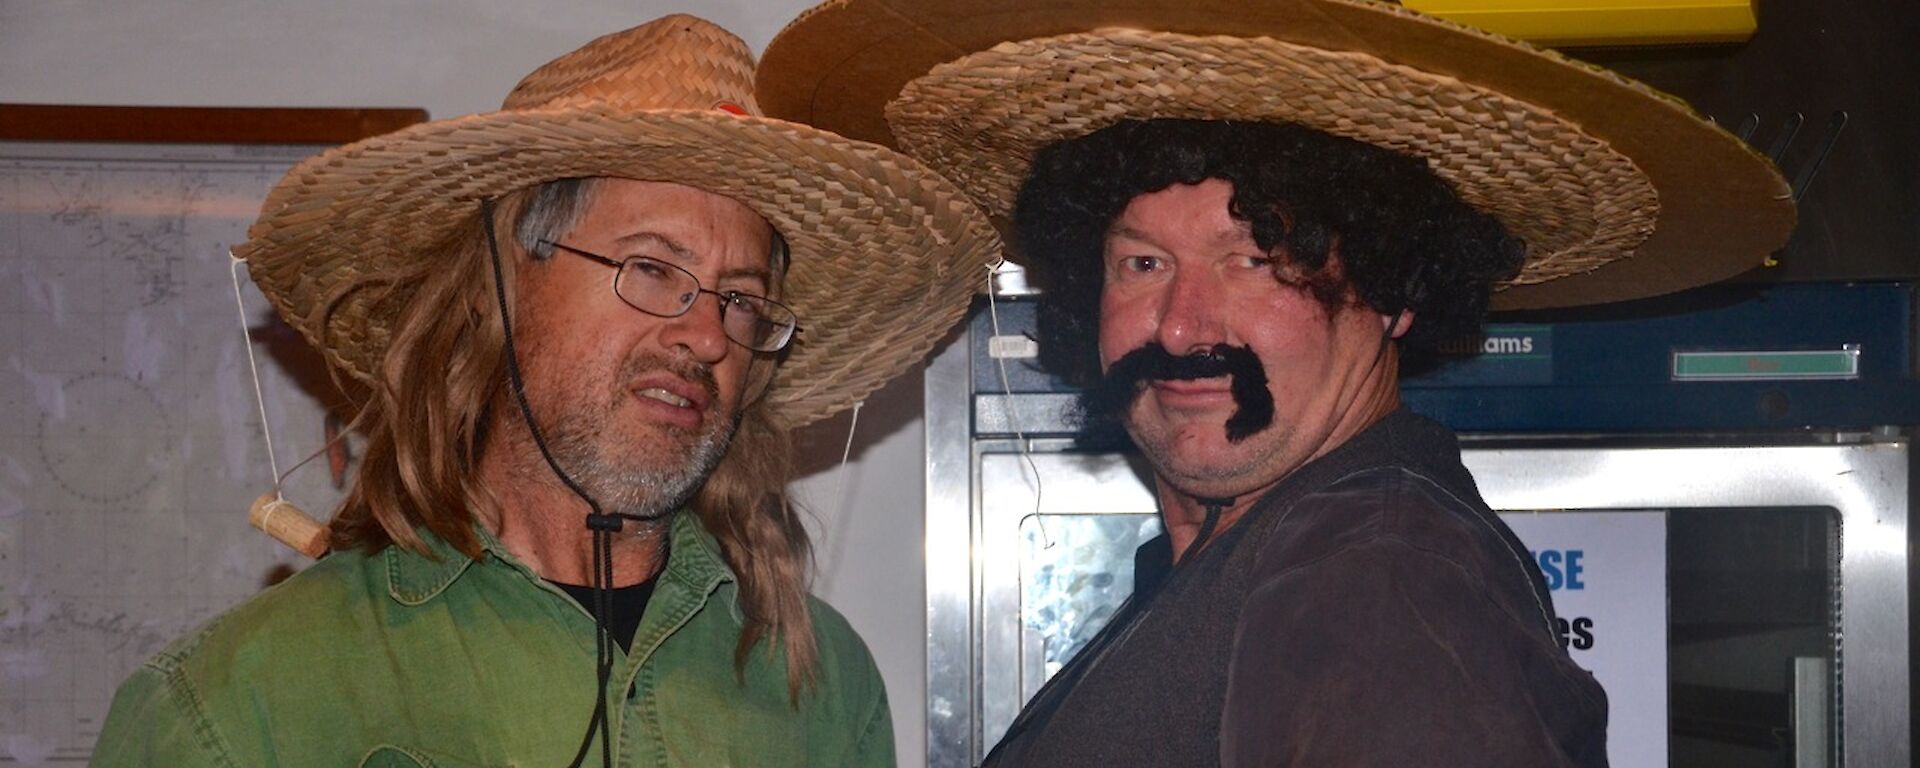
pixel 1368 611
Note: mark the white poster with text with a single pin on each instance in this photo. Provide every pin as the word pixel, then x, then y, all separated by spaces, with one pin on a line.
pixel 1608 575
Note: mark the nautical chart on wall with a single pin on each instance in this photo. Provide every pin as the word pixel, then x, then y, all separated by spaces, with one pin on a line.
pixel 130 440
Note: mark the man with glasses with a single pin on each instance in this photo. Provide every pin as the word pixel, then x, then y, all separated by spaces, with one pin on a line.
pixel 569 538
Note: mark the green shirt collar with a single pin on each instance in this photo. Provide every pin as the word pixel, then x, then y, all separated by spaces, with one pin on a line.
pixel 414 579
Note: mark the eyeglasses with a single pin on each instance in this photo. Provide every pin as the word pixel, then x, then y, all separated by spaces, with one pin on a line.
pixel 664 290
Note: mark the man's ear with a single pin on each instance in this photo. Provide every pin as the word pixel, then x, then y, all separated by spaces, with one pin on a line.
pixel 1395 326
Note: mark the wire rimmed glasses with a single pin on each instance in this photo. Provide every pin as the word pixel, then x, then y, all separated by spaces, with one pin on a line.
pixel 662 289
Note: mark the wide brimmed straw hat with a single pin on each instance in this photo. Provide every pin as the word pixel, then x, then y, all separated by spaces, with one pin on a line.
pixel 1618 190
pixel 885 253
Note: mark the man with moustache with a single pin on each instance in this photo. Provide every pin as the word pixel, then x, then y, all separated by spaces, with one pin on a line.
pixel 569 538
pixel 1329 589
pixel 1240 215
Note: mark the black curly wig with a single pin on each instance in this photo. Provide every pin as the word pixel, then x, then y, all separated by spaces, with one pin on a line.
pixel 1405 239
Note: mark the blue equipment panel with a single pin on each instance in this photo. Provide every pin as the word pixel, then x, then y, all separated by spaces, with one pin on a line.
pixel 1817 355
pixel 1614 373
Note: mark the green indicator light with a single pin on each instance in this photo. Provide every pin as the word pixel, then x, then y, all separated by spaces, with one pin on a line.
pixel 1766 366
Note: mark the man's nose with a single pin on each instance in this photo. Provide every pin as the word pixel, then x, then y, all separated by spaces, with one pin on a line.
pixel 699 330
pixel 1192 317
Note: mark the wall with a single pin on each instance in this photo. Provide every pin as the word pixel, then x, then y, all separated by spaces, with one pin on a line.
pixel 458 57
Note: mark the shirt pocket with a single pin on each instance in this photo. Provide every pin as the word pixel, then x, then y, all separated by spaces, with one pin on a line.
pixel 737 731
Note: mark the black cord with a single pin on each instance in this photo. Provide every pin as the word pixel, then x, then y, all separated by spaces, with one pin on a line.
pixel 603 595
pixel 1416 294
pixel 513 371
pixel 601 524
pixel 1212 520
pixel 1386 340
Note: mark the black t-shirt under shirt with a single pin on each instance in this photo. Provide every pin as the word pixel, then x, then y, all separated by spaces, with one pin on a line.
pixel 629 604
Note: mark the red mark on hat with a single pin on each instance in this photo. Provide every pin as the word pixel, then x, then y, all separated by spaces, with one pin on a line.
pixel 730 108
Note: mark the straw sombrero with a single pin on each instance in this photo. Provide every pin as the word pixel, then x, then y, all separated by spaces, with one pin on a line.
pixel 1619 191
pixel 885 254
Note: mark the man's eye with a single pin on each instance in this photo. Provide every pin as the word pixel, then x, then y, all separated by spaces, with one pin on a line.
pixel 1142 264
pixel 737 302
pixel 1254 262
pixel 644 268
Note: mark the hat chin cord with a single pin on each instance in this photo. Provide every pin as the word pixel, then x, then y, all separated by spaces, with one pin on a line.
pixel 602 524
pixel 1214 507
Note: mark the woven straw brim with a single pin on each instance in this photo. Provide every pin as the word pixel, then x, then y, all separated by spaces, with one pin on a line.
pixel 1576 202
pixel 1620 191
pixel 886 255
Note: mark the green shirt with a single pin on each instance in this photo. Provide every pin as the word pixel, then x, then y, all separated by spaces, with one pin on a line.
pixel 395 659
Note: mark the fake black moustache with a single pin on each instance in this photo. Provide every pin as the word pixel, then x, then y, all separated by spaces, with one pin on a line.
pixel 1127 377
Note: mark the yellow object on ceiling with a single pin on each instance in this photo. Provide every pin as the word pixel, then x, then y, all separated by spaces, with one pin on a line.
pixel 1573 23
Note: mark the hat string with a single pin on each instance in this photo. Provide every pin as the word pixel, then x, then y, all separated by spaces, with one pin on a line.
pixel 601 524
pixel 1013 413
pixel 240 306
pixel 271 512
pixel 518 384
pixel 837 537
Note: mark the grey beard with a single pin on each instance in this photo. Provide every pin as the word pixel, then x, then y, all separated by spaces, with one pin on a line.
pixel 644 493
